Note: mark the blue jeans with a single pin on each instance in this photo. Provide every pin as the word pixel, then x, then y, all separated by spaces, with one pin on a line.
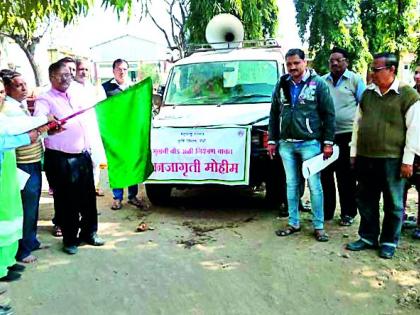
pixel 119 192
pixel 376 176
pixel 30 201
pixel 293 154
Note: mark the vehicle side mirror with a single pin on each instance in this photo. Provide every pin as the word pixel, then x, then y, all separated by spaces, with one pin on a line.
pixel 157 103
pixel 161 90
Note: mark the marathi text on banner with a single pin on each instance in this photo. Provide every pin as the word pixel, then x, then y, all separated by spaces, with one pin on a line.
pixel 201 155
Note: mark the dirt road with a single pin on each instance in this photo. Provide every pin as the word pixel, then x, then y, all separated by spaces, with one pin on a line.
pixel 214 257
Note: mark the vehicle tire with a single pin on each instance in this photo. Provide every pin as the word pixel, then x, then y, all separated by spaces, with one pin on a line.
pixel 275 184
pixel 158 194
pixel 273 195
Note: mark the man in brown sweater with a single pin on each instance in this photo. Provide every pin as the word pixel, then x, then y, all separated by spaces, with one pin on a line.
pixel 386 137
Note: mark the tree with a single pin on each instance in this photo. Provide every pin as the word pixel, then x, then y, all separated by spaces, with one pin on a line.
pixel 26 21
pixel 189 18
pixel 258 17
pixel 363 27
pixel 390 25
pixel 329 23
pixel 177 12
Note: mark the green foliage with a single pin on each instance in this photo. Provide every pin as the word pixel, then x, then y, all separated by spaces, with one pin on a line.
pixel 390 25
pixel 259 17
pixel 152 71
pixel 363 27
pixel 332 23
pixel 25 21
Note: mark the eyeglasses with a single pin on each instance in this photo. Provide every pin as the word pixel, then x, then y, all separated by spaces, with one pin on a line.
pixel 63 75
pixel 373 69
pixel 338 60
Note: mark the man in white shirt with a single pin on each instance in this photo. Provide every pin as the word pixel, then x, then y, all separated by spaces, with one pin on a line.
pixel 92 95
pixel 28 160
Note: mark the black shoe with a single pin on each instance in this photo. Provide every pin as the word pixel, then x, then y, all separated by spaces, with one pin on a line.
pixel 17 268
pixel 71 250
pixel 11 276
pixel 387 252
pixel 359 245
pixel 93 240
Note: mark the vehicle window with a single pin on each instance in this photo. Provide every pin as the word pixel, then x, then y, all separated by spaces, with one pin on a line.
pixel 250 81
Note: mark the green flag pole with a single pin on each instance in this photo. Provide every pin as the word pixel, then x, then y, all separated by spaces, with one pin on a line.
pixel 124 122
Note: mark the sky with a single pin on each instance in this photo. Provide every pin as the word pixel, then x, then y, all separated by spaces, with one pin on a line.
pixel 100 26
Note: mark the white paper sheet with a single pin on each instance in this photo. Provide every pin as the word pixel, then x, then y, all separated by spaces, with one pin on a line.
pixel 22 178
pixel 317 163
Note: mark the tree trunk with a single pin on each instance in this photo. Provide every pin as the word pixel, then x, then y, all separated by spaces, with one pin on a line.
pixel 29 50
pixel 34 65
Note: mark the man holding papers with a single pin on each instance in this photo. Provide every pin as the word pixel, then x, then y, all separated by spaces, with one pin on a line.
pixel 302 124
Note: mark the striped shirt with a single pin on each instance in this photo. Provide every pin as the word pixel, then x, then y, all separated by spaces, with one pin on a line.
pixel 31 153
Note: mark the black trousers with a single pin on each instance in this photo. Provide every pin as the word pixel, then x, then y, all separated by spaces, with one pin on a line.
pixel 71 177
pixel 376 176
pixel 346 181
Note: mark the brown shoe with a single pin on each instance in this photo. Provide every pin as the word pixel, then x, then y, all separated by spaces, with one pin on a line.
pixel 100 192
pixel 116 204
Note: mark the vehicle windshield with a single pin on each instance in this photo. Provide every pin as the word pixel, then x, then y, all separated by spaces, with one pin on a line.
pixel 219 83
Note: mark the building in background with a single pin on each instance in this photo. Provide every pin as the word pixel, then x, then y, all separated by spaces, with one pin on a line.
pixel 145 58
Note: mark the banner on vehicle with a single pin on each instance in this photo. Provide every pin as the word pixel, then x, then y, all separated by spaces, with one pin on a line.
pixel 201 155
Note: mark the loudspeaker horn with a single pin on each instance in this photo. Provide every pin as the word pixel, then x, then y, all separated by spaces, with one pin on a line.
pixel 224 31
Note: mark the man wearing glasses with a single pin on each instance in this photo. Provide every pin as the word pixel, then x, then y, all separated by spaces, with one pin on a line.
pixel 68 164
pixel 117 84
pixel 346 88
pixel 386 137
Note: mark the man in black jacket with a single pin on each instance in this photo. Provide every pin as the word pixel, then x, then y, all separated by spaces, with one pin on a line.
pixel 302 124
pixel 112 87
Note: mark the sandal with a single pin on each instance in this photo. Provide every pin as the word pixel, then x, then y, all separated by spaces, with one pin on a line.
pixel 116 204
pixel 321 236
pixel 416 234
pixel 57 231
pixel 136 202
pixel 346 221
pixel 289 230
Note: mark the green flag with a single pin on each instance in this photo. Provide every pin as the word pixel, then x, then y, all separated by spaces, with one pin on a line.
pixel 124 122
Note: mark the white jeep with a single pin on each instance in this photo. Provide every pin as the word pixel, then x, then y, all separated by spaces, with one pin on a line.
pixel 212 125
